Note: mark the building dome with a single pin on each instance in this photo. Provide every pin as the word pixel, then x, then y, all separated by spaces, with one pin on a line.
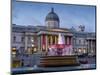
pixel 52 16
pixel 52 19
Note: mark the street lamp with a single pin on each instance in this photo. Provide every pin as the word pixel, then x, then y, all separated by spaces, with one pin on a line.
pixel 32 40
pixel 32 48
pixel 32 45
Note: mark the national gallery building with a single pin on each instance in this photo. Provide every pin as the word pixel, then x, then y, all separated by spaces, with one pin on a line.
pixel 38 39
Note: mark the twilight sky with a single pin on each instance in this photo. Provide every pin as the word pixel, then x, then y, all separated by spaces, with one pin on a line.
pixel 31 13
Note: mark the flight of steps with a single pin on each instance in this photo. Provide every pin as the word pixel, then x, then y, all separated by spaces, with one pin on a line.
pixel 56 61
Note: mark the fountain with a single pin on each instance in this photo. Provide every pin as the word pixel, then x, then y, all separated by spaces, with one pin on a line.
pixel 59 55
pixel 60 49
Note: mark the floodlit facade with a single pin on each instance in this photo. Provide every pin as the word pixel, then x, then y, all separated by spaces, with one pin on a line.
pixel 37 39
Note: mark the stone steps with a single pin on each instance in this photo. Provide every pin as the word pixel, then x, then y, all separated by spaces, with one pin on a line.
pixel 54 61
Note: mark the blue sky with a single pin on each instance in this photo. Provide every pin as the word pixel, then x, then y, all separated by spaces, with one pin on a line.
pixel 30 13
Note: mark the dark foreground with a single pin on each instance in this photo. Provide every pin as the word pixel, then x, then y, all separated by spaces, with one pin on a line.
pixel 89 66
pixel 52 69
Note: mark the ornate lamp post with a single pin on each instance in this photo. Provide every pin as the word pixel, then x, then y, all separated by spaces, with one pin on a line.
pixel 32 46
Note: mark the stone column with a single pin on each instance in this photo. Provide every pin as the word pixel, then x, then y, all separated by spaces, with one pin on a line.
pixel 55 40
pixel 88 46
pixel 41 42
pixel 70 40
pixel 91 45
pixel 95 47
pixel 26 42
pixel 50 40
pixel 67 40
pixel 46 42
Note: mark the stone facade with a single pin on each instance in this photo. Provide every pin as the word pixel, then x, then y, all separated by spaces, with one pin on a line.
pixel 28 40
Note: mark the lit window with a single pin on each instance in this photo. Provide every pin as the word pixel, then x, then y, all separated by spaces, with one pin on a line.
pixel 43 47
pixel 35 49
pixel 32 39
pixel 80 50
pixel 84 50
pixel 29 50
pixel 13 48
pixel 14 52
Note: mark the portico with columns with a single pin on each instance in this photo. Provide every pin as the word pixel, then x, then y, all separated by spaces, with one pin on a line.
pixel 91 46
pixel 50 37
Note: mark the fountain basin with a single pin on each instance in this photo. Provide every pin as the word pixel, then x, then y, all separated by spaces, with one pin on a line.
pixel 60 54
pixel 58 61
